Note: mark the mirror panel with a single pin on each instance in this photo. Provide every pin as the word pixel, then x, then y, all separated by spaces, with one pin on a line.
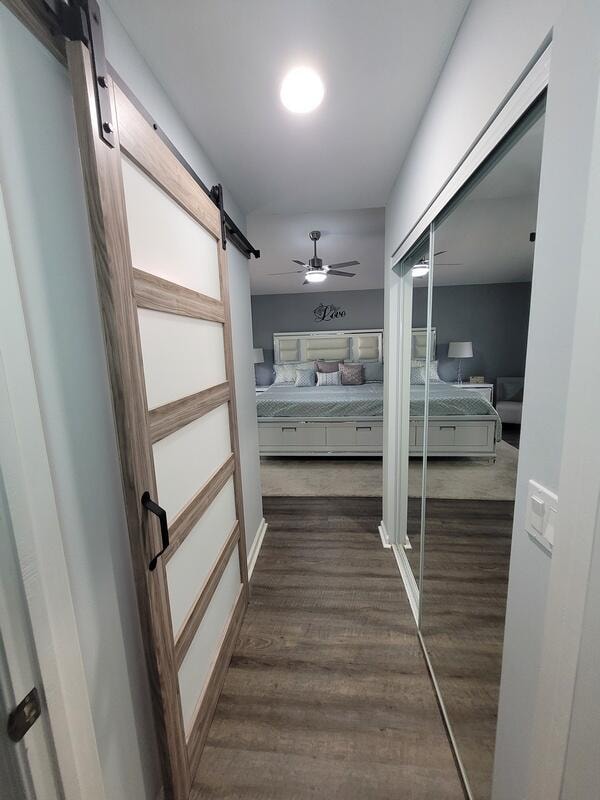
pixel 479 289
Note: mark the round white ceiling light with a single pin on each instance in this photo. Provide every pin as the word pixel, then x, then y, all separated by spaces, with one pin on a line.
pixel 420 269
pixel 315 275
pixel 302 90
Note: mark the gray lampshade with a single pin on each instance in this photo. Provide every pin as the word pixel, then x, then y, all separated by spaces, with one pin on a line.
pixel 460 350
pixel 259 356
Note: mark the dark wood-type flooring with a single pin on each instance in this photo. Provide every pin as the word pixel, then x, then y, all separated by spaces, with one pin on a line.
pixel 467 553
pixel 327 695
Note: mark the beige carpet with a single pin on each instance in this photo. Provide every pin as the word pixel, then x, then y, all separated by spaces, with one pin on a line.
pixel 452 479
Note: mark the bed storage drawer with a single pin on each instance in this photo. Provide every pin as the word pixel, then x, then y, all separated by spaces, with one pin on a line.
pixel 369 435
pixel 299 434
pixel 352 434
pixel 471 435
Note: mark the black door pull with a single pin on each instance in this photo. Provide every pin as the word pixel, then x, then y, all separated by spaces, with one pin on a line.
pixel 154 508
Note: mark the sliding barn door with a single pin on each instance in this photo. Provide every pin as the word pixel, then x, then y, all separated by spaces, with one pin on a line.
pixel 163 289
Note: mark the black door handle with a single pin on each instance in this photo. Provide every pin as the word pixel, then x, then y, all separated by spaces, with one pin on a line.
pixel 154 508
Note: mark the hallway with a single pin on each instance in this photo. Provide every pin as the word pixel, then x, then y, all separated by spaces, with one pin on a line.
pixel 327 694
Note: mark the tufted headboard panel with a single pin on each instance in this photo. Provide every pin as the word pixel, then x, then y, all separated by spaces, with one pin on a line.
pixel 328 345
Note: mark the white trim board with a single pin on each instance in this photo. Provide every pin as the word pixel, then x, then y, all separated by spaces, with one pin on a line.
pixel 40 551
pixel 530 86
pixel 256 545
pixel 384 535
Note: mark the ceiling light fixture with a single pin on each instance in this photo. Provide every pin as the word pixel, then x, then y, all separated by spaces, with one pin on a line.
pixel 420 269
pixel 302 90
pixel 315 275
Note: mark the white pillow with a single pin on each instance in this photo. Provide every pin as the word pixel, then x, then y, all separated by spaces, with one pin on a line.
pixel 417 372
pixel 329 379
pixel 286 373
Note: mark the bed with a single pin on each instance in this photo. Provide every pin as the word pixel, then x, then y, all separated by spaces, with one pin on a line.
pixel 462 422
pixel 348 420
pixel 324 420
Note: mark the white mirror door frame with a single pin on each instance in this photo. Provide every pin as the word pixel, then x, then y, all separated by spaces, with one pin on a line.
pixel 39 550
pixel 567 722
pixel 532 84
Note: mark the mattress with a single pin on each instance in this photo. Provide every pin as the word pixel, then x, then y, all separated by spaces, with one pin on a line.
pixel 307 402
pixel 321 401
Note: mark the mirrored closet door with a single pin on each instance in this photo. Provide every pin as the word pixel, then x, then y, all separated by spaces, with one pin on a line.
pixel 466 291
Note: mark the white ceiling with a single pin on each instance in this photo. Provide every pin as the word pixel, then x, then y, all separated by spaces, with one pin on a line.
pixel 222 62
pixel 488 232
pixel 345 236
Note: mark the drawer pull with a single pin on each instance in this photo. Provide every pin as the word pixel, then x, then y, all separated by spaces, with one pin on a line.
pixel 288 429
pixel 363 428
pixel 447 427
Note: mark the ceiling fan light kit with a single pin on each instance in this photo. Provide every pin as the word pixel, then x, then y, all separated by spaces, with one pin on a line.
pixel 315 271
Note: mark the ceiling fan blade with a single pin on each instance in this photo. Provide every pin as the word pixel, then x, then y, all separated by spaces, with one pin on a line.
pixel 344 264
pixel 337 272
pixel 289 272
pixel 302 264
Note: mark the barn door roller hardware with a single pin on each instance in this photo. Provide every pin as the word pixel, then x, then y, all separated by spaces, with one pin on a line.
pixel 80 21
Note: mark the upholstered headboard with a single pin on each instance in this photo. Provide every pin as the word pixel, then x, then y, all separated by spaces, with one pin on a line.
pixel 328 345
pixel 418 345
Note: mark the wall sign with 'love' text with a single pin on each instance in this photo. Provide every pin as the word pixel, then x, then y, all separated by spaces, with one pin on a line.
pixel 325 312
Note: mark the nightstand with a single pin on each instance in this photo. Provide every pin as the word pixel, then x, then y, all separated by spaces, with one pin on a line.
pixel 486 389
pixel 261 389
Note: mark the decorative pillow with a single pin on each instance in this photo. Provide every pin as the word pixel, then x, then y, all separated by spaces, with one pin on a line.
pixel 418 371
pixel 305 377
pixel 286 373
pixel 352 374
pixel 373 371
pixel 328 366
pixel 328 379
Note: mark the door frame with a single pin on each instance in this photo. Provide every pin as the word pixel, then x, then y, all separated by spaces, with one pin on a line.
pixel 39 547
pixel 570 635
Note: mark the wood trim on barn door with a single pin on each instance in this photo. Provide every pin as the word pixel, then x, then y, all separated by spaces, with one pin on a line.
pixel 122 289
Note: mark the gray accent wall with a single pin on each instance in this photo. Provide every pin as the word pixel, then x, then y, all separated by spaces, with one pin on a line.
pixel 494 316
pixel 278 313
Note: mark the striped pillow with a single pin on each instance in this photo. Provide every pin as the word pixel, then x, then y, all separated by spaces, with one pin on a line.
pixel 328 379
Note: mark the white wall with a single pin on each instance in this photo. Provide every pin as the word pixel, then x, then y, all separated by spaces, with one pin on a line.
pixel 493 47
pixel 241 330
pixel 41 177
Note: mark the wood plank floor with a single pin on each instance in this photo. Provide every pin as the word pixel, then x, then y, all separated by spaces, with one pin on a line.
pixel 467 554
pixel 327 695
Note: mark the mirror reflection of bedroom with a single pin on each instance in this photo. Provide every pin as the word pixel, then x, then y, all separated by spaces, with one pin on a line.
pixel 317 315
pixel 467 288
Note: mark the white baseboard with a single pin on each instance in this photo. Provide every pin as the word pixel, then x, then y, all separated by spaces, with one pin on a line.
pixel 384 535
pixel 256 545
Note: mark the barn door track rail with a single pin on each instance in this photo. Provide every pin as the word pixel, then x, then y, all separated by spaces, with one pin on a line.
pixel 80 20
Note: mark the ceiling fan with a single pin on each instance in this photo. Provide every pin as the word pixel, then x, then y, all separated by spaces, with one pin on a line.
pixel 421 268
pixel 315 271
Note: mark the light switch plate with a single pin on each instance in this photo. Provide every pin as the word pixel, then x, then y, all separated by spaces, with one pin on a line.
pixel 540 519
